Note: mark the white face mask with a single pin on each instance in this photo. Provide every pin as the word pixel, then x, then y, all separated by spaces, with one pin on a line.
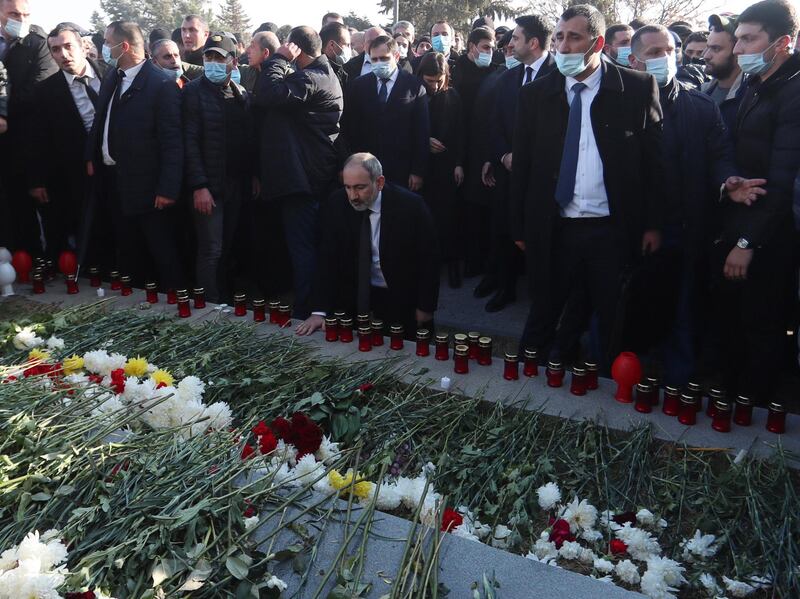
pixel 403 51
pixel 17 28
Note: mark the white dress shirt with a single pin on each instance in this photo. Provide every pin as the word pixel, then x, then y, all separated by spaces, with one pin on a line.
pixel 535 65
pixel 376 278
pixel 590 199
pixel 81 96
pixel 389 85
pixel 366 66
pixel 130 75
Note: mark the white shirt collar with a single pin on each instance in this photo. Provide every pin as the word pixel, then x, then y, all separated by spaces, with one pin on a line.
pixel 376 207
pixel 537 64
pixel 88 73
pixel 131 72
pixel 591 82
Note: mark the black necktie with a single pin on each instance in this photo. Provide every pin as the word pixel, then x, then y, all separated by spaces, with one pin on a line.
pixel 117 94
pixel 528 75
pixel 364 263
pixel 89 90
pixel 383 92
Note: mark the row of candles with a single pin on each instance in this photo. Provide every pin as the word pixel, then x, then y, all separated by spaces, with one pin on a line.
pixel 684 404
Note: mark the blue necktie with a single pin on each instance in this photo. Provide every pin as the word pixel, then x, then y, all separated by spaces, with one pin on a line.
pixel 383 93
pixel 565 188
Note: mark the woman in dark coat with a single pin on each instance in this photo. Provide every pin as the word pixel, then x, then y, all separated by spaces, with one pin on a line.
pixel 445 167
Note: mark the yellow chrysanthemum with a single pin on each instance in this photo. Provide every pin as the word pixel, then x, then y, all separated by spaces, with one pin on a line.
pixel 72 364
pixel 38 354
pixel 162 376
pixel 136 366
pixel 362 488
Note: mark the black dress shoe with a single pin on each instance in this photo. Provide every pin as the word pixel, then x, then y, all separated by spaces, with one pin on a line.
pixel 500 300
pixel 454 275
pixel 485 287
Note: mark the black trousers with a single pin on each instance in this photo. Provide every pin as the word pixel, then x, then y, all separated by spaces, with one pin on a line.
pixel 505 258
pixel 587 266
pixel 384 308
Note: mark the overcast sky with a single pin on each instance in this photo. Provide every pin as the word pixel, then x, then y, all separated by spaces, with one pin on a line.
pixel 48 13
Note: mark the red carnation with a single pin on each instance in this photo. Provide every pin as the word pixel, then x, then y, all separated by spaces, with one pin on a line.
pixel 250 511
pixel 260 429
pixel 618 547
pixel 248 451
pixel 451 519
pixel 282 428
pixel 306 435
pixel 267 441
pixel 161 385
pixel 365 387
pixel 561 533
pixel 83 595
pixel 118 381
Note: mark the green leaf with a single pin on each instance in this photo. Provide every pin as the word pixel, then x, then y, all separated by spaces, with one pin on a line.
pixel 64 490
pixel 197 577
pixel 40 497
pixel 238 568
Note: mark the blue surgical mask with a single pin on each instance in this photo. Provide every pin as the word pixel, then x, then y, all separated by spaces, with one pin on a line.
pixel 572 65
pixel 17 29
pixel 663 69
pixel 383 70
pixel 512 62
pixel 176 73
pixel 236 76
pixel 216 72
pixel 107 58
pixel 755 64
pixel 441 43
pixel 622 56
pixel 484 59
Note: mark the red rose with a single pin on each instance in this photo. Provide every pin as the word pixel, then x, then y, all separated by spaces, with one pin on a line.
pixel 561 533
pixel 261 429
pixel 451 519
pixel 282 428
pixel 618 547
pixel 267 441
pixel 306 435
pixel 248 451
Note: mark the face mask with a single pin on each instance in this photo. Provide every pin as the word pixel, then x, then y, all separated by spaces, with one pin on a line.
pixel 16 28
pixel 403 51
pixel 383 70
pixel 663 69
pixel 696 60
pixel 755 64
pixel 441 43
pixel 512 62
pixel 572 65
pixel 236 76
pixel 343 56
pixel 484 59
pixel 176 73
pixel 622 56
pixel 107 58
pixel 215 72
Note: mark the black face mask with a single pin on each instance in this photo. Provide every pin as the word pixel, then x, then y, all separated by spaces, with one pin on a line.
pixel 698 61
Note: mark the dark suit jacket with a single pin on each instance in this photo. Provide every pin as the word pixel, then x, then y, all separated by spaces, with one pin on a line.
pixel 408 252
pixel 146 125
pixel 57 139
pixel 505 106
pixel 353 68
pixel 627 124
pixel 397 133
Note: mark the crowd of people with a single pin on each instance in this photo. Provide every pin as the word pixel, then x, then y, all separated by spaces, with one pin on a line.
pixel 643 177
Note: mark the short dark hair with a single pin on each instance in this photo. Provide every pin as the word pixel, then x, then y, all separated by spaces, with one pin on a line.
pixel 536 26
pixel 444 22
pixel 159 33
pixel 476 36
pixel 636 40
pixel 682 31
pixel 177 37
pixel 128 31
pixel 61 28
pixel 422 39
pixel 331 15
pixel 332 31
pixel 268 26
pixel 434 64
pixel 505 40
pixel 696 36
pixel 306 39
pixel 480 22
pixel 381 40
pixel 776 17
pixel 597 22
pixel 198 17
pixel 615 29
pixel 637 24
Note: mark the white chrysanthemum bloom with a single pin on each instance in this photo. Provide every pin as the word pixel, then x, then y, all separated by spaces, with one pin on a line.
pixel 603 565
pixel 279 475
pixel 8 559
pixel 109 405
pixel 699 546
pixel 736 588
pixel 592 536
pixel 662 524
pixel 645 517
pixel 655 587
pixel 549 496
pixel 544 549
pixel 276 583
pixel 26 339
pixel 77 380
pixel 411 490
pixel 26 581
pixel 586 556
pixel 219 415
pixel 388 496
pixel 709 583
pixel 606 579
pixel 286 451
pixel 606 520
pixel 251 523
pixel 570 550
pixel 115 362
pixel 464 531
pixel 328 451
pixel 549 559
pixel 641 544
pixel 100 362
pixel 191 388
pixel 627 572
pixel 481 530
pixel 49 554
pixel 501 536
pixel 325 487
pixel 473 525
pixel 55 342
pixel 306 471
pixel 580 515
pixel 670 570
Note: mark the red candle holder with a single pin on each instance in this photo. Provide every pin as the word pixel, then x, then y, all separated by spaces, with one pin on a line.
pixel 94 277
pixel 126 289
pixel 578 384
pixel 672 401
pixel 364 339
pixel 472 342
pixel 423 343
pixel 511 367
pixel 688 411
pixel 485 351
pixel 116 285
pixel 151 293
pixel 22 263
pixel 396 337
pixel 461 359
pixel 714 395
pixel 240 305
pixel 259 310
pixel 591 376
pixel 531 365
pixel 72 285
pixel 274 312
pixel 377 333
pixel 627 373
pixel 331 330
pixel 655 388
pixel 200 298
pixel 172 296
pixel 696 391
pixel 184 311
pixel 362 320
pixel 459 339
pixel 644 400
pixel 442 352
pixel 776 419
pixel 284 315
pixel 346 330
pixel 743 415
pixel 555 374
pixel 38 282
pixel 722 417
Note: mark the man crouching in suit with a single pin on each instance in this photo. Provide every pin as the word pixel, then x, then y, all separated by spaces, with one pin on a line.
pixel 379 254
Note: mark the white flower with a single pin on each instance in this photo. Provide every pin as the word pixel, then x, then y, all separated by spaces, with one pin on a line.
pixel 550 560
pixel 191 389
pixel 276 583
pixel 544 550
pixel 699 546
pixel 328 451
pixel 736 588
pixel 388 496
pixel 662 523
pixel 55 342
pixel 606 520
pixel 251 523
pixel 592 536
pixel 662 578
pixel 606 579
pixel 549 496
pixel 645 517
pixel 501 536
pixel 26 339
pixel 580 515
pixel 219 416
pixel 570 550
pixel 710 584
pixel 627 571
pixel 641 544
pixel 655 587
pixel 603 565
pixel 463 531
pixel 306 472
pixel 100 362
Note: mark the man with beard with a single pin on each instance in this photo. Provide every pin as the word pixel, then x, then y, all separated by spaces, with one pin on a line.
pixel 721 64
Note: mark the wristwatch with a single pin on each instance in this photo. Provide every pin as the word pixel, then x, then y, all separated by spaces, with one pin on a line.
pixel 743 243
